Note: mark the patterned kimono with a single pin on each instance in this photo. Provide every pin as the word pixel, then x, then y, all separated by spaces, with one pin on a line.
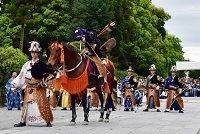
pixel 129 96
pixel 13 95
pixel 35 107
pixel 174 97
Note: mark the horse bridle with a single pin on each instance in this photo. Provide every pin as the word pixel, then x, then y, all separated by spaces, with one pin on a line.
pixel 62 59
pixel 72 69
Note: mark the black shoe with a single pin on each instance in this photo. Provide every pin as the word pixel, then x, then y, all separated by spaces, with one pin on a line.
pixel 166 111
pixel 20 124
pixel 49 124
pixel 145 110
pixel 19 108
pixel 180 111
pixel 126 109
pixel 113 109
pixel 158 110
pixel 64 109
pixel 9 108
pixel 132 109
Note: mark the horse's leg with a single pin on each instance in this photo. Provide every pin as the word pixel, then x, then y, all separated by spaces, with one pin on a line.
pixel 72 122
pixel 108 111
pixel 85 108
pixel 99 92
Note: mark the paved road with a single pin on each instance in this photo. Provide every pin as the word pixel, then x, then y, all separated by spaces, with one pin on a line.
pixel 121 122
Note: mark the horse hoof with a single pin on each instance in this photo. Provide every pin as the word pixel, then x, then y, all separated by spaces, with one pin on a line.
pixel 72 123
pixel 100 119
pixel 106 120
pixel 85 123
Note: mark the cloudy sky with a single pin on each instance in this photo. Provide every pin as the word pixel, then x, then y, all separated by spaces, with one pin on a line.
pixel 184 23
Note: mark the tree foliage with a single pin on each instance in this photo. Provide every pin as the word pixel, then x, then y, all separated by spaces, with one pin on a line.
pixel 11 59
pixel 140 34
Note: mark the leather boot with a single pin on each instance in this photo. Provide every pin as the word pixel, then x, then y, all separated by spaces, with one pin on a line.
pixel 146 110
pixel 181 111
pixel 126 109
pixel 20 124
pixel 49 124
pixel 158 110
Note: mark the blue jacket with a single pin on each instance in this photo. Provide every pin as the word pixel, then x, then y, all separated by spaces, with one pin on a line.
pixel 173 82
pixel 128 80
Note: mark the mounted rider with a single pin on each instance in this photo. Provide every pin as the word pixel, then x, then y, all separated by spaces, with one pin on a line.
pixel 92 49
pixel 92 42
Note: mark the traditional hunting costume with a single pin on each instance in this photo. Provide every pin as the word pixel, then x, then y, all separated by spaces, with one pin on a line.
pixel 13 94
pixel 92 98
pixel 51 94
pixel 128 86
pixel 152 86
pixel 92 49
pixel 173 86
pixel 35 108
pixel 114 95
pixel 92 42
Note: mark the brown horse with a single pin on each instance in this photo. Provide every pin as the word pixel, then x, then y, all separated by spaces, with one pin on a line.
pixel 77 64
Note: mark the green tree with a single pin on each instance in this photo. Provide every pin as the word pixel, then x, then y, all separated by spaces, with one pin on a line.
pixel 139 35
pixel 11 59
pixel 51 21
pixel 8 32
pixel 91 14
pixel 194 74
pixel 38 20
pixel 172 52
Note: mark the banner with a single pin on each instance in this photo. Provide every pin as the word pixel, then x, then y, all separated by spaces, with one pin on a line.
pixel 185 65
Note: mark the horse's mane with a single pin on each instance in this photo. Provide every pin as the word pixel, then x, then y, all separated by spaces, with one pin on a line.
pixel 70 46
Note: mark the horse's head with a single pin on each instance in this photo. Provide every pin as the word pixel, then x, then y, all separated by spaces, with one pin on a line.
pixel 56 54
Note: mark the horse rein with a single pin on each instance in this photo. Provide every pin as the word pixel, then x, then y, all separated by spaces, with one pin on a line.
pixel 62 59
pixel 72 69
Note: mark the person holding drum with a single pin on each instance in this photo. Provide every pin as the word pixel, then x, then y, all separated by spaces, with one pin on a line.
pixel 173 87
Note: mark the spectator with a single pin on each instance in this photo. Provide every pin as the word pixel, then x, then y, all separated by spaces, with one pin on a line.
pixel 138 97
pixel 13 95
